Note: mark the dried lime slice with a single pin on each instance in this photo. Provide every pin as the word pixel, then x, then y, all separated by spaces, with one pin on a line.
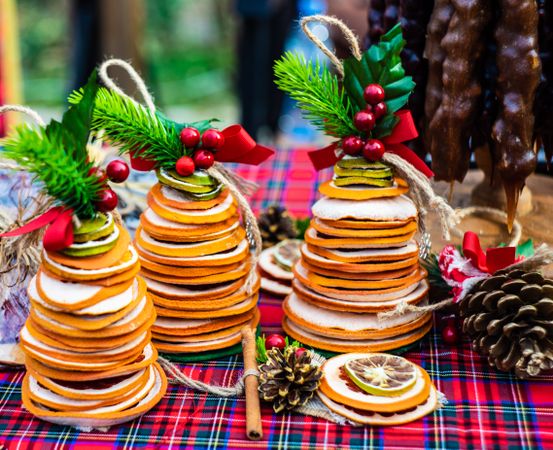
pixel 287 253
pixel 382 374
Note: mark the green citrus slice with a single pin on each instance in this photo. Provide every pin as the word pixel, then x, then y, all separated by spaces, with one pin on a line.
pixel 382 374
pixel 287 253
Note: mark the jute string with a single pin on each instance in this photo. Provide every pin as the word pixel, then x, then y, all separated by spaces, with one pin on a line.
pixel 350 36
pixel 235 184
pixel 177 377
pixel 20 255
pixel 423 194
pixel 25 110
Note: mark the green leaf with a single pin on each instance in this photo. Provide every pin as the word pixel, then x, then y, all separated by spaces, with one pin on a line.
pixel 526 249
pixel 77 119
pixel 380 64
pixel 261 354
pixel 302 225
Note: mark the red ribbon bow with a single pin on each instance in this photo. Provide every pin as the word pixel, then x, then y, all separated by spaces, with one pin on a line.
pixel 404 130
pixel 239 147
pixel 494 259
pixel 59 234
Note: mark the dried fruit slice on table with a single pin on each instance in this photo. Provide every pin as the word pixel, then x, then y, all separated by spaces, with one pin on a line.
pixel 381 374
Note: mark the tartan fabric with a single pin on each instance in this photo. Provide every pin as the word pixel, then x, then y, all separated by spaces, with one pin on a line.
pixel 486 409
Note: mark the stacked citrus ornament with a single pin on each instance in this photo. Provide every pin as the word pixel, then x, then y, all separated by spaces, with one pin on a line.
pixel 195 256
pixel 360 258
pixel 377 389
pixel 89 359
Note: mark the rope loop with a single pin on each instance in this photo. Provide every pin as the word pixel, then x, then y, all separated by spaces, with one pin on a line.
pixel 140 84
pixel 350 36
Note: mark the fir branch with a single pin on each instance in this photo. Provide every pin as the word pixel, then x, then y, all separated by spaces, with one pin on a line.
pixel 317 92
pixel 132 127
pixel 64 174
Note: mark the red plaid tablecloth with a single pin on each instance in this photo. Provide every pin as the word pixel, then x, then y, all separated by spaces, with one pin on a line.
pixel 486 409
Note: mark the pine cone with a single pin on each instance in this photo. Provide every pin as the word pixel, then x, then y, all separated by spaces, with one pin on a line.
pixel 288 380
pixel 509 317
pixel 275 225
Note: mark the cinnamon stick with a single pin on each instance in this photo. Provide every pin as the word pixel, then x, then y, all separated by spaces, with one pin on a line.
pixel 254 430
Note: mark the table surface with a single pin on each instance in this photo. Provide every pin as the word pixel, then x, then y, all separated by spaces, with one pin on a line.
pixel 486 409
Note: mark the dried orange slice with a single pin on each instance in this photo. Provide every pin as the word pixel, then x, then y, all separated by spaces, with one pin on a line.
pixel 104 260
pixel 362 193
pixel 171 197
pixel 382 374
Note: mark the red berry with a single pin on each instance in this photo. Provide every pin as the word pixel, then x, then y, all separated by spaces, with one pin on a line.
pixel 212 138
pixel 373 94
pixel 203 159
pixel 190 137
pixel 118 171
pixel 373 150
pixel 369 108
pixel 185 166
pixel 450 334
pixel 379 110
pixel 352 145
pixel 98 172
pixel 364 120
pixel 107 201
pixel 275 341
pixel 300 351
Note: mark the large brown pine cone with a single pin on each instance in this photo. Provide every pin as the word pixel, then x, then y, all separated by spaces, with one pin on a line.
pixel 288 380
pixel 509 317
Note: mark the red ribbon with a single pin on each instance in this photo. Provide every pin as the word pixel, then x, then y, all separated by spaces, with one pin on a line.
pixel 239 147
pixel 494 259
pixel 404 130
pixel 59 234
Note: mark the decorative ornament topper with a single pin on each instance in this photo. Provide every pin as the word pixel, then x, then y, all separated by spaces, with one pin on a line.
pixel 154 141
pixel 362 107
pixel 462 268
pixel 365 113
pixel 56 154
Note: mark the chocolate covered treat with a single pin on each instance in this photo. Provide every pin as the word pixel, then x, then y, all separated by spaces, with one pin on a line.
pixel 519 74
pixel 452 122
pixel 543 104
pixel 433 51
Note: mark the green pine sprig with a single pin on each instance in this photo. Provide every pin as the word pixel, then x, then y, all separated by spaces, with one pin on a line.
pixel 133 128
pixel 317 92
pixel 58 158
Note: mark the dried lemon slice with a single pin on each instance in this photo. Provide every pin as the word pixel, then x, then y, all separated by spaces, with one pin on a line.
pixel 382 374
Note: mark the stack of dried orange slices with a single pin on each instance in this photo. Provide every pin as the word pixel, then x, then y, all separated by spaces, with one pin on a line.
pixel 359 259
pixel 195 259
pixel 377 389
pixel 90 362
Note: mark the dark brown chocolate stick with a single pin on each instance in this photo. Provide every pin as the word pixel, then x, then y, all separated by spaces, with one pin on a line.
pixel 433 51
pixel 452 123
pixel 519 74
pixel 414 17
pixel 543 103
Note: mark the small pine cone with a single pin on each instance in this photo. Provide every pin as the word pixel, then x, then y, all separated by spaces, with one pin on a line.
pixel 509 317
pixel 276 225
pixel 288 381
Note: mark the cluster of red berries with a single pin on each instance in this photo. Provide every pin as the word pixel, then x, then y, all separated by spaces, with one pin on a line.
pixel 278 341
pixel 116 171
pixel 202 158
pixel 365 121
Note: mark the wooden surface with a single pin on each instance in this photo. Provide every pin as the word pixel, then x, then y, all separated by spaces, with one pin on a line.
pixel 538 224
